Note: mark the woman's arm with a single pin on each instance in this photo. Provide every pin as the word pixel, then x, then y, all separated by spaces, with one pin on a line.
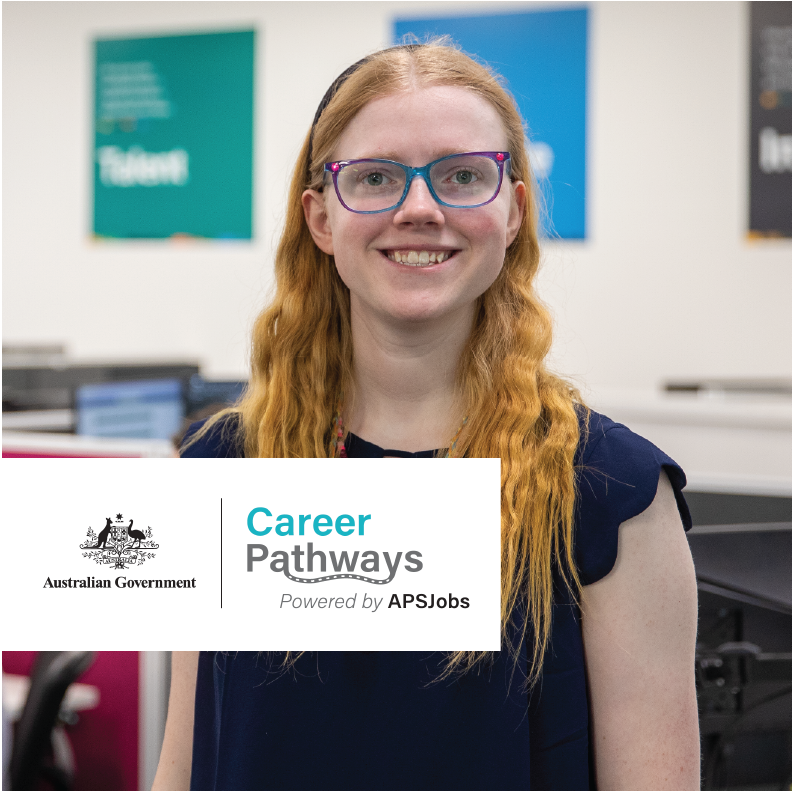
pixel 639 632
pixel 175 763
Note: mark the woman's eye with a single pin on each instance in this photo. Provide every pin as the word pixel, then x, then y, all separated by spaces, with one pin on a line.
pixel 463 177
pixel 375 179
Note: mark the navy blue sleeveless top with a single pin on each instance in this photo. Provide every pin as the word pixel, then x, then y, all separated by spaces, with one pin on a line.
pixel 374 720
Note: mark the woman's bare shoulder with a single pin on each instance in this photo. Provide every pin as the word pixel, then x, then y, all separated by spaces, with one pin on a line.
pixel 639 630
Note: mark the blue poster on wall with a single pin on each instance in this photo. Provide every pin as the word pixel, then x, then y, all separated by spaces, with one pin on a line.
pixel 542 55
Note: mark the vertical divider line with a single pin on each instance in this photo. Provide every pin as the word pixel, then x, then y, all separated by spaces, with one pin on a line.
pixel 221 553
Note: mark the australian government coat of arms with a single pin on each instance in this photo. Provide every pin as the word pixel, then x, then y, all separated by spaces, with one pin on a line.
pixel 118 545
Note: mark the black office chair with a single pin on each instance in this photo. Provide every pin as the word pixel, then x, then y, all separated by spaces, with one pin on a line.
pixel 744 651
pixel 52 673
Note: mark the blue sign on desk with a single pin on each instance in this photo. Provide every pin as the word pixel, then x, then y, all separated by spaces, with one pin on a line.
pixel 542 55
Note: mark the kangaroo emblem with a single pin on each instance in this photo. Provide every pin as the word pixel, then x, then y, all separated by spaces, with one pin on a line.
pixel 101 539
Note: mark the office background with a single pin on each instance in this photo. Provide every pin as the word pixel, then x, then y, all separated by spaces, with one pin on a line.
pixel 665 286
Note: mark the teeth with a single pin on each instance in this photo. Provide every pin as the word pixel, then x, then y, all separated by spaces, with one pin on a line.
pixel 416 258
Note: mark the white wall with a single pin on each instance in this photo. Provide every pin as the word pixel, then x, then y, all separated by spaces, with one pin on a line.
pixel 665 286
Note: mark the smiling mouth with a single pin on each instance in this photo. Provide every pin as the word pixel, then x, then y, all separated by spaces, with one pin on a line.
pixel 419 257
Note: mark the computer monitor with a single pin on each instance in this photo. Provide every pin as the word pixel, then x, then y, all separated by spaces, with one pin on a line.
pixel 202 393
pixel 146 409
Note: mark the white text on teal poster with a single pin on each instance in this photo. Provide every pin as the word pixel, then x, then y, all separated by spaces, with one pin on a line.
pixel 173 140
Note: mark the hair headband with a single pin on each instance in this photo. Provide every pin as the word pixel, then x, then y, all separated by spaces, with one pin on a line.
pixel 337 83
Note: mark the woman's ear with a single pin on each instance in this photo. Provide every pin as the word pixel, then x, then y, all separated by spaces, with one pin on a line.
pixel 516 211
pixel 317 219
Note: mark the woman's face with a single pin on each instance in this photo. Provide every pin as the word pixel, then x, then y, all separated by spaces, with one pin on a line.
pixel 416 128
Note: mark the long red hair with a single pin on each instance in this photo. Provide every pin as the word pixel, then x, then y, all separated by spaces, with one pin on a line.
pixel 517 409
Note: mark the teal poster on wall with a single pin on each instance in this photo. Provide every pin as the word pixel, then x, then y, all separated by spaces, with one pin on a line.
pixel 173 149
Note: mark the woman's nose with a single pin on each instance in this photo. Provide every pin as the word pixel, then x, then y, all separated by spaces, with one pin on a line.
pixel 419 206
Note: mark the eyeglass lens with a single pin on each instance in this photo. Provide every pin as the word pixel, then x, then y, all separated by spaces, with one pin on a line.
pixel 371 185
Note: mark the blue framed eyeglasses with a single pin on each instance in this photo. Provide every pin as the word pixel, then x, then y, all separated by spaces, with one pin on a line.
pixel 458 181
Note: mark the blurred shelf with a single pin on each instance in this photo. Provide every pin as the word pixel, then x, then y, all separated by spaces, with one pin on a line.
pixel 17 444
pixel 39 420
pixel 731 442
pixel 705 408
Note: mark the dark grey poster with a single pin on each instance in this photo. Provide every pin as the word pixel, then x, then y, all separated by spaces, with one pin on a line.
pixel 771 120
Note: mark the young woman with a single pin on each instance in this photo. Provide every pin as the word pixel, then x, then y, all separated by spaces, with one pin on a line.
pixel 406 324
